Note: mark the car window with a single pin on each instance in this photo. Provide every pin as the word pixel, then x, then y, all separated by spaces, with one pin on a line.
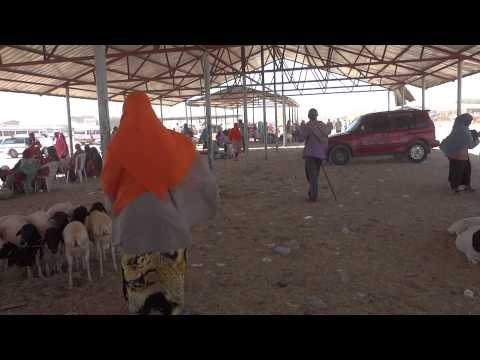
pixel 8 142
pixel 421 120
pixel 402 121
pixel 19 141
pixel 375 123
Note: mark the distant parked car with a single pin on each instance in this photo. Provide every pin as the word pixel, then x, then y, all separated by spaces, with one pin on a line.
pixel 13 146
pixel 405 132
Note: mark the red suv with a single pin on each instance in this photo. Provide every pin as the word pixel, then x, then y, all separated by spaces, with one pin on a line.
pixel 399 132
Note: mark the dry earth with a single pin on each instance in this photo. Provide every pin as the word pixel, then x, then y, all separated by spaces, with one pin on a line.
pixel 382 249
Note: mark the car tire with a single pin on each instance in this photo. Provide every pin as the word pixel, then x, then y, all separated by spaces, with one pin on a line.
pixel 13 153
pixel 417 152
pixel 339 155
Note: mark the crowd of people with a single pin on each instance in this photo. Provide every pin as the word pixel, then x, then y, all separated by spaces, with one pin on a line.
pixel 30 172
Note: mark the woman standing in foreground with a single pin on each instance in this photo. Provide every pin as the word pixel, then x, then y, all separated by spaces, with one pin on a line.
pixel 315 134
pixel 455 146
pixel 158 187
pixel 235 137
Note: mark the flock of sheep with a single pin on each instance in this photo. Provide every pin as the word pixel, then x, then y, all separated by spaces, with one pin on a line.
pixel 46 239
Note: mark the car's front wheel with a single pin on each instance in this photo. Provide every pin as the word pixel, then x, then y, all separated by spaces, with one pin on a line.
pixel 339 155
pixel 13 153
pixel 417 152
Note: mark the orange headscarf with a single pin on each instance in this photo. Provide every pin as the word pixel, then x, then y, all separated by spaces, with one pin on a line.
pixel 144 155
pixel 235 134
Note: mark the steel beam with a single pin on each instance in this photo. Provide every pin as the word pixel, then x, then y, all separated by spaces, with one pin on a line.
pixel 206 77
pixel 102 96
pixel 459 88
pixel 69 119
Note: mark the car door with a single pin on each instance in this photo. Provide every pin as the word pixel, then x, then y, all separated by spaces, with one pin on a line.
pixel 402 125
pixel 372 134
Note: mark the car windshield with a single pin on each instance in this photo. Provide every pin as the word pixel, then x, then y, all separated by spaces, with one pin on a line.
pixel 353 125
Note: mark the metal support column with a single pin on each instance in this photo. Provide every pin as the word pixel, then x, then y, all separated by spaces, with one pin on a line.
pixel 284 113
pixel 403 96
pixel 206 76
pixel 216 118
pixel 275 98
pixel 423 93
pixel 265 130
pixel 161 110
pixel 388 100
pixel 70 133
pixel 191 117
pixel 102 96
pixel 459 88
pixel 244 93
pixel 186 113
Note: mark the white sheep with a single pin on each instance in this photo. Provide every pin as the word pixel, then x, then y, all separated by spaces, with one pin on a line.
pixel 468 242
pixel 65 207
pixel 41 221
pixel 99 226
pixel 77 245
pixel 463 224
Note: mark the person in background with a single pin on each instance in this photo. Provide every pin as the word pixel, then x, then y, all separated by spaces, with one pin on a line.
pixel 242 131
pixel 115 128
pixel 157 187
pixel 236 139
pixel 61 145
pixel 204 138
pixel 455 146
pixel 186 131
pixel 93 162
pixel 330 124
pixel 338 126
pixel 316 144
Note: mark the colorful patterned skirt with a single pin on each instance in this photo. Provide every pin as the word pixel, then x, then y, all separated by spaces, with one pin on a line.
pixel 154 282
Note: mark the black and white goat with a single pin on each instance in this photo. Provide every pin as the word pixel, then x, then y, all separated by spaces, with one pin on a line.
pixel 27 253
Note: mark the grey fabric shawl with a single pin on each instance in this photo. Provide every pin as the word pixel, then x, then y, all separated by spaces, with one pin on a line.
pixel 460 137
pixel 150 224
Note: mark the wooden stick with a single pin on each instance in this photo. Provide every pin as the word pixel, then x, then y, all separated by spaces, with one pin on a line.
pixel 14 306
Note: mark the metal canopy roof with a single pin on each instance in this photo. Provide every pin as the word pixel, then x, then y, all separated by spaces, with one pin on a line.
pixel 233 97
pixel 173 73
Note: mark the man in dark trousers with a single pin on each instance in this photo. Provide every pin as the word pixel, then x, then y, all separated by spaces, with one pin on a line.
pixel 316 144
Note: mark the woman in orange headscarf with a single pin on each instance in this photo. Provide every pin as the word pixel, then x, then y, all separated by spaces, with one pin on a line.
pixel 157 187
pixel 235 137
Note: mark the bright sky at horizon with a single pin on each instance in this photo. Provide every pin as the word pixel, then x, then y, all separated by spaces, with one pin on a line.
pixel 44 110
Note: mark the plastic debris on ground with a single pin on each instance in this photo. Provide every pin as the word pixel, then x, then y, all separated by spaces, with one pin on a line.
pixel 469 293
pixel 267 260
pixel 283 250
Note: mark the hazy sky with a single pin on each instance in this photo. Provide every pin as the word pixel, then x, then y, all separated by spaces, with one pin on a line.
pixel 31 109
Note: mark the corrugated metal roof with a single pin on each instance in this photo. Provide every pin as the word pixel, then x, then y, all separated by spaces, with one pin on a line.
pixel 174 72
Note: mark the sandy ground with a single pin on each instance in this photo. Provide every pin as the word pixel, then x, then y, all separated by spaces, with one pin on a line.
pixel 382 249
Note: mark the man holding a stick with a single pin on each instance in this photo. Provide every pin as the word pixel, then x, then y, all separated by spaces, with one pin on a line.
pixel 316 144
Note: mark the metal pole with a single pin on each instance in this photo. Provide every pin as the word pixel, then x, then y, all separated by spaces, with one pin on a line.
pixel 216 119
pixel 186 113
pixel 161 110
pixel 459 88
pixel 388 100
pixel 191 117
pixel 403 96
pixel 283 108
pixel 275 98
pixel 244 93
pixel 70 135
pixel 265 130
pixel 102 96
pixel 225 113
pixel 206 76
pixel 423 93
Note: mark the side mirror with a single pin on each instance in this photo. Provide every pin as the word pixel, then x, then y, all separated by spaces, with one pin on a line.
pixel 362 128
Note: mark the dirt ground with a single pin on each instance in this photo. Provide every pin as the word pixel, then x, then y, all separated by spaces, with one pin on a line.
pixel 382 249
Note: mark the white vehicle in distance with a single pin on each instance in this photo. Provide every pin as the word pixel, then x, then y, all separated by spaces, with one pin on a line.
pixel 13 146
